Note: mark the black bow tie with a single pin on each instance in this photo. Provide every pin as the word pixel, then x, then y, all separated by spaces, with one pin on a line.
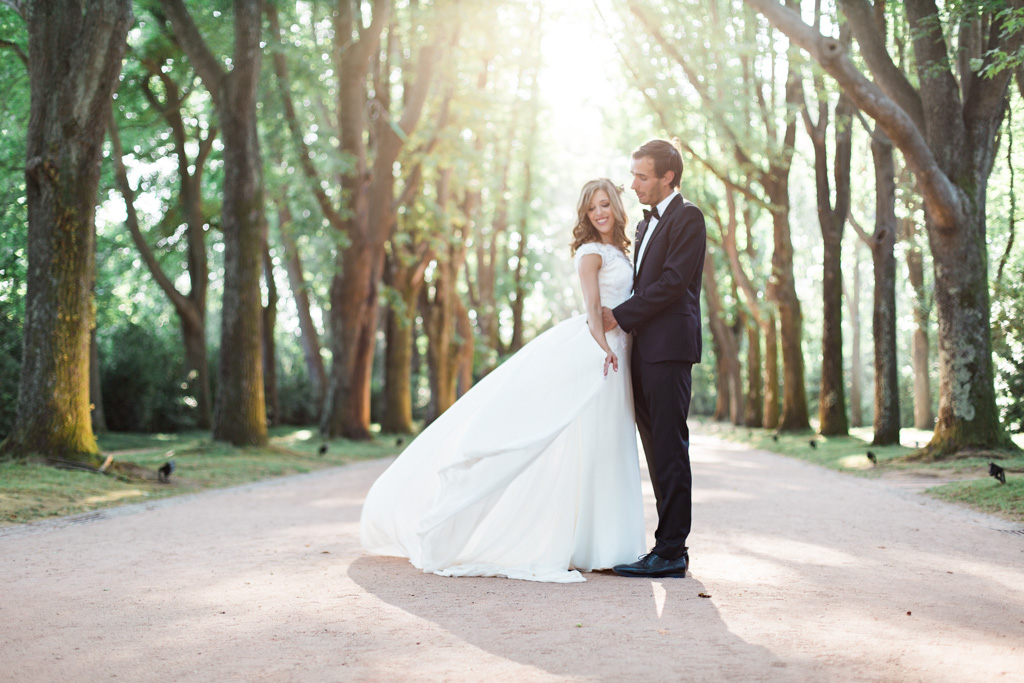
pixel 653 213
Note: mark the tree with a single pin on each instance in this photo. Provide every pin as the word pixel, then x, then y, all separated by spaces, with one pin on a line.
pixel 945 126
pixel 764 157
pixel 882 242
pixel 832 218
pixel 74 59
pixel 240 409
pixel 191 306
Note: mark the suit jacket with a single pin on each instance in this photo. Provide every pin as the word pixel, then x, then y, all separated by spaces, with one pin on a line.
pixel 664 312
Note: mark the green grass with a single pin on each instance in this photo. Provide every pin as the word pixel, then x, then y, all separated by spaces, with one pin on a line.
pixel 849 454
pixel 31 491
pixel 987 495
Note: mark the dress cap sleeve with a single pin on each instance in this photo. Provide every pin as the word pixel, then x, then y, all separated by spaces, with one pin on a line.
pixel 588 248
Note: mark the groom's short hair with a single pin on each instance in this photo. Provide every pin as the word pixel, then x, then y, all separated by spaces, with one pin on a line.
pixel 666 157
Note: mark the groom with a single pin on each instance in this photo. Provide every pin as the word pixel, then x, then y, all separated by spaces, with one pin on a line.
pixel 664 316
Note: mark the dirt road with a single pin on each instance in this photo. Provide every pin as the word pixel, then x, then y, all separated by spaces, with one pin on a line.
pixel 812 575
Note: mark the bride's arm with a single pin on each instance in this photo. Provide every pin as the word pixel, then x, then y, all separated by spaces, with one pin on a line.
pixel 589 265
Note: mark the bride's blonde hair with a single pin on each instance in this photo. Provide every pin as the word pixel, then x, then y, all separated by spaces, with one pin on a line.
pixel 584 231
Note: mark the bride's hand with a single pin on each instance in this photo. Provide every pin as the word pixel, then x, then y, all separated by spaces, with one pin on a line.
pixel 613 360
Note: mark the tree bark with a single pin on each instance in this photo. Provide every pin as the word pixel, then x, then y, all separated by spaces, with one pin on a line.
pixel 75 55
pixel 924 417
pixel 407 283
pixel 240 408
pixel 729 405
pixel 832 396
pixel 772 408
pixel 883 319
pixel 753 406
pixel 856 362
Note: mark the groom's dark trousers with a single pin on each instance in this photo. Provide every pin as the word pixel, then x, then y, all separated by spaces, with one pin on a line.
pixel 664 317
pixel 661 398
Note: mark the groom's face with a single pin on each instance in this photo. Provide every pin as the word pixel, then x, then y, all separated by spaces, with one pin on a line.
pixel 649 188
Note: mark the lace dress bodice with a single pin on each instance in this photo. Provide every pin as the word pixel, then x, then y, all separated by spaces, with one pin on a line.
pixel 615 278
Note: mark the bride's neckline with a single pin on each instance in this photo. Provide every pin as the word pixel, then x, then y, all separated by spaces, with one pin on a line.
pixel 614 248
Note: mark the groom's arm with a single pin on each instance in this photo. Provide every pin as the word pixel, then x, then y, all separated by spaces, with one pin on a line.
pixel 687 242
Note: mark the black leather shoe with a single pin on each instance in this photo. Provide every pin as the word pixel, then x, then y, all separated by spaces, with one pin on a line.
pixel 655 566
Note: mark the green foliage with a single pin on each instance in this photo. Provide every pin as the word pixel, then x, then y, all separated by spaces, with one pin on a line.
pixel 14 111
pixel 1008 347
pixel 143 379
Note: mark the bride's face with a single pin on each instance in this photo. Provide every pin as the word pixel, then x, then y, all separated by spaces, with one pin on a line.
pixel 600 213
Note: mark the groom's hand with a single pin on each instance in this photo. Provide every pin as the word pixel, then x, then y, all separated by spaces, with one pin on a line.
pixel 609 319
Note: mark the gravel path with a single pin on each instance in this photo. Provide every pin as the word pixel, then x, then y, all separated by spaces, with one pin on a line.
pixel 812 575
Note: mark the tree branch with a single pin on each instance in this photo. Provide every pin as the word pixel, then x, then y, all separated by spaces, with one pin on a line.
pixel 987 95
pixel 305 153
pixel 11 45
pixel 193 45
pixel 897 124
pixel 890 78
pixel 180 301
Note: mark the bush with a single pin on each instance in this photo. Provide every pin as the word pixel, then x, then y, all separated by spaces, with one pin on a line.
pixel 143 380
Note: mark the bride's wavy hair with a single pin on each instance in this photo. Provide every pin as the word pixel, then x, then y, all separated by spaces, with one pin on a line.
pixel 584 231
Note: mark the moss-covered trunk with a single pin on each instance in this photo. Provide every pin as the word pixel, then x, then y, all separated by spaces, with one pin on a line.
pixel 967 416
pixel 74 60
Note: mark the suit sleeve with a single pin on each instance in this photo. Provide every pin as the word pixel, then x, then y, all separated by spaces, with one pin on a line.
pixel 687 241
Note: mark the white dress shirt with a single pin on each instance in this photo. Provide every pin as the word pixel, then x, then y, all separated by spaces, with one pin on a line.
pixel 649 233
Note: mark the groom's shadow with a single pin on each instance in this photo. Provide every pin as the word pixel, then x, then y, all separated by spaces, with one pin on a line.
pixel 608 627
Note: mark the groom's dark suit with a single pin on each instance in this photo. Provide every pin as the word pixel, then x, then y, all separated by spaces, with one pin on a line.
pixel 664 316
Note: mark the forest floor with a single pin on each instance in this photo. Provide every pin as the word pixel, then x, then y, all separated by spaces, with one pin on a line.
pixel 811 575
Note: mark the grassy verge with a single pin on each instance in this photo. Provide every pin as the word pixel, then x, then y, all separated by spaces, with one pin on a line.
pixel 850 454
pixel 31 491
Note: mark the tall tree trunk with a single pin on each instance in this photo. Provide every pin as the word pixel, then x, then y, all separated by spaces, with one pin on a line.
pixel 75 55
pixel 924 417
pixel 782 290
pixel 782 284
pixel 729 405
pixel 466 345
pixel 371 219
pixel 269 347
pixel 753 406
pixel 308 334
pixel 240 410
pixel 832 395
pixel 883 320
pixel 772 410
pixel 407 282
pixel 856 358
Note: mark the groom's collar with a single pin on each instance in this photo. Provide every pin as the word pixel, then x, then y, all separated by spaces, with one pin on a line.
pixel 663 204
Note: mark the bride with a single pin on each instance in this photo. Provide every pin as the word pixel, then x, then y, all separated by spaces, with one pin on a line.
pixel 533 474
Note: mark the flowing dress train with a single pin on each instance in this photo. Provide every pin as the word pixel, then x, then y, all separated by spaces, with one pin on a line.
pixel 533 474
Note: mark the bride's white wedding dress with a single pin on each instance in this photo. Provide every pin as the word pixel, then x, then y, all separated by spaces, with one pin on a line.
pixel 533 474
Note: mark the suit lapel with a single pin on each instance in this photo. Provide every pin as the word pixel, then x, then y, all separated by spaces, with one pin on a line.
pixel 676 202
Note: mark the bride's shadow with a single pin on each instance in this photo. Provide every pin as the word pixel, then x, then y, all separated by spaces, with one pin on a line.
pixel 608 627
